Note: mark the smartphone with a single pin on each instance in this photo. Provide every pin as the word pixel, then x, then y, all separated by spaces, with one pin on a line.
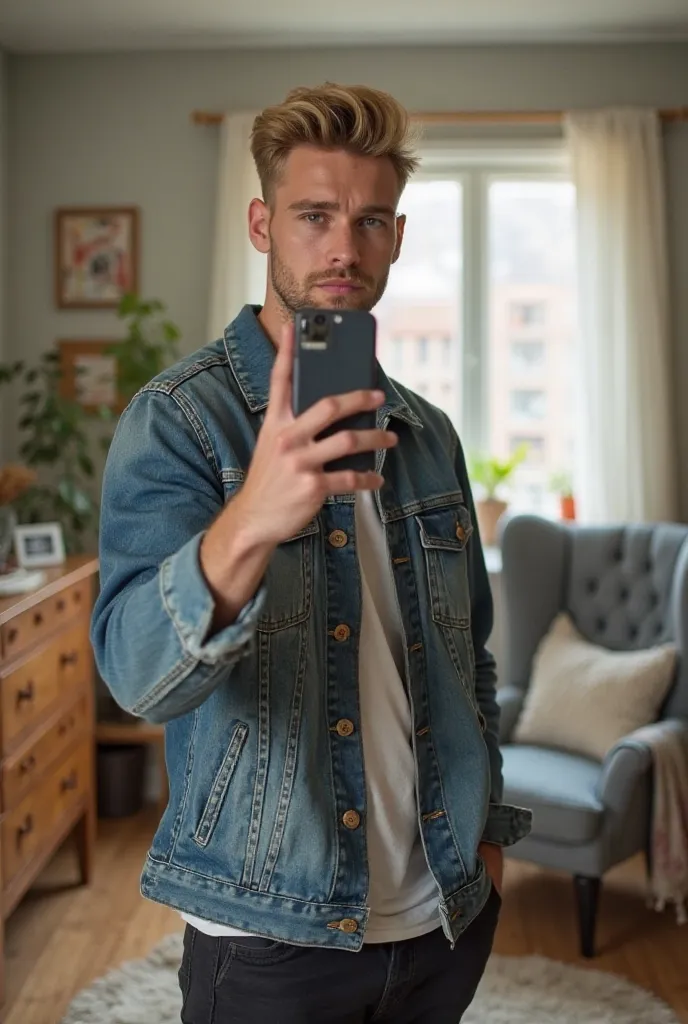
pixel 334 353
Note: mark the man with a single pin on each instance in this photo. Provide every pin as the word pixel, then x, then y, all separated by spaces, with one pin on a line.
pixel 314 641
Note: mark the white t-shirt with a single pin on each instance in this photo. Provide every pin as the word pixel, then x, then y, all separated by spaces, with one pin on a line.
pixel 403 896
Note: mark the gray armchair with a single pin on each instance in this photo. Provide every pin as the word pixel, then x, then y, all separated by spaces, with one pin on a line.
pixel 626 588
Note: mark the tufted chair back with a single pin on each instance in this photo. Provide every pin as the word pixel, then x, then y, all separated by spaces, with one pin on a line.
pixel 625 587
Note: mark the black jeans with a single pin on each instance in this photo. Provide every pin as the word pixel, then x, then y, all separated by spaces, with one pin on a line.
pixel 258 981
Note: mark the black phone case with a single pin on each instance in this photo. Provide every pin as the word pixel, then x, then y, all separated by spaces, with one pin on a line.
pixel 334 356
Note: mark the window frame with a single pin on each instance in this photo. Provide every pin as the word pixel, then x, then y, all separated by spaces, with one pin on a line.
pixel 476 165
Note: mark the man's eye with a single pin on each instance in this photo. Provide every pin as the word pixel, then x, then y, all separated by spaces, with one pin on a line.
pixel 373 222
pixel 314 218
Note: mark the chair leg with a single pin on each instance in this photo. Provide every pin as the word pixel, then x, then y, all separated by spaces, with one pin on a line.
pixel 587 897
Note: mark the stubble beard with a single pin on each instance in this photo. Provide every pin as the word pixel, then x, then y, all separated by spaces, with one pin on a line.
pixel 293 294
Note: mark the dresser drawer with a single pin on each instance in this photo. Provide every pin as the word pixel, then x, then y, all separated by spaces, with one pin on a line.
pixel 54 672
pixel 34 625
pixel 25 768
pixel 32 826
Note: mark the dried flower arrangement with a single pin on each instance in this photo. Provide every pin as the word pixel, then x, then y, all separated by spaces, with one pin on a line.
pixel 14 481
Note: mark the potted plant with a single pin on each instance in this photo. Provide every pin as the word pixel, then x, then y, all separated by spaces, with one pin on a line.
pixel 59 437
pixel 561 485
pixel 491 474
pixel 56 445
pixel 14 481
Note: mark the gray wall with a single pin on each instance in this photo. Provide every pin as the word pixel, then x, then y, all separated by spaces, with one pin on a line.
pixel 116 129
pixel 3 236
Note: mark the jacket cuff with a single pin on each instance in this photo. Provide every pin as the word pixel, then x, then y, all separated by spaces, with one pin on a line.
pixel 190 605
pixel 506 824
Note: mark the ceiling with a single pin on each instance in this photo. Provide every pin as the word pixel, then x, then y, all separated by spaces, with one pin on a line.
pixel 59 26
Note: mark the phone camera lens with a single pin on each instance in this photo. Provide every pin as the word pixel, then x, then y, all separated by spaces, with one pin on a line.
pixel 319 319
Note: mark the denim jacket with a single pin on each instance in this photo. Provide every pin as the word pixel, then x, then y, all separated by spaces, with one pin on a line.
pixel 262 760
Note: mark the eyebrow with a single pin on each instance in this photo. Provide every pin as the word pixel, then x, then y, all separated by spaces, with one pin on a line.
pixel 326 206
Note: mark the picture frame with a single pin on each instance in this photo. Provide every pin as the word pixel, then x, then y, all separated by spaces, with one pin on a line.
pixel 39 545
pixel 96 256
pixel 88 373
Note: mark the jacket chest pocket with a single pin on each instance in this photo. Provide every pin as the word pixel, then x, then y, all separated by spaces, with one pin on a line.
pixel 289 581
pixel 444 534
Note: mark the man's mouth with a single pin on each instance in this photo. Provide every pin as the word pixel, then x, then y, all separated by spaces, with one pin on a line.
pixel 339 287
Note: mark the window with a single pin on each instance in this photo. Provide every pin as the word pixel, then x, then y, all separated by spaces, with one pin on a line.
pixel 484 293
pixel 535 448
pixel 424 291
pixel 528 404
pixel 525 313
pixel 527 356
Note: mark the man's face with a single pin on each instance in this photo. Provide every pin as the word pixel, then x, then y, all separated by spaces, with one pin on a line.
pixel 331 230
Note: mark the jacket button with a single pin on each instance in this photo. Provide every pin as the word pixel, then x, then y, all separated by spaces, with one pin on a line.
pixel 352 819
pixel 345 727
pixel 338 539
pixel 342 632
pixel 348 925
pixel 460 532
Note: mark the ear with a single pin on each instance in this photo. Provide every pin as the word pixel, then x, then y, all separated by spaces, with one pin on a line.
pixel 259 225
pixel 400 225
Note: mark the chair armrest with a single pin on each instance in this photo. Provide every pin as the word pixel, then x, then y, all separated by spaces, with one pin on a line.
pixel 510 700
pixel 622 770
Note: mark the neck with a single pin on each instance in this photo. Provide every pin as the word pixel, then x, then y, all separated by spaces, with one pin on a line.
pixel 273 317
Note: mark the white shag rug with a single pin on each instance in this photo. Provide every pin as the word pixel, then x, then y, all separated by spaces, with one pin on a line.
pixel 514 990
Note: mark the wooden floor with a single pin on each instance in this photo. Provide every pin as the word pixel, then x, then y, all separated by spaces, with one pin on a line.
pixel 61 937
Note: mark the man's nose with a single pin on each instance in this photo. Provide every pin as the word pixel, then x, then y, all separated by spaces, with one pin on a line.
pixel 343 248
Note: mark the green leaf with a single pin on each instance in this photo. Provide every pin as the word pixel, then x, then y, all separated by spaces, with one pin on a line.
pixel 86 465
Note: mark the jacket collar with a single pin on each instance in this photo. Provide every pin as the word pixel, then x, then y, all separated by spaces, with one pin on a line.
pixel 251 355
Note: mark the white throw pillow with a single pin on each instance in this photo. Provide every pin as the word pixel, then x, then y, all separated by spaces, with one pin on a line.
pixel 584 698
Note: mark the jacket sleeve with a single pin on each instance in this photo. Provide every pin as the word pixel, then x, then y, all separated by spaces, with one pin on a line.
pixel 505 824
pixel 151 623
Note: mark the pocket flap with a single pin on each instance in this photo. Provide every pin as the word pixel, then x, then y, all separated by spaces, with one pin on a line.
pixel 445 528
pixel 308 531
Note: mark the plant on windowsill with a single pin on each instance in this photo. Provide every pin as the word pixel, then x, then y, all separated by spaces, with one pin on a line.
pixel 560 483
pixel 491 475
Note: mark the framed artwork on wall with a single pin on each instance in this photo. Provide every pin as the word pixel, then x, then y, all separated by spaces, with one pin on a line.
pixel 88 374
pixel 96 256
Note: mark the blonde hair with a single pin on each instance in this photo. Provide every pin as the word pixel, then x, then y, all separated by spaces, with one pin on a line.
pixel 355 118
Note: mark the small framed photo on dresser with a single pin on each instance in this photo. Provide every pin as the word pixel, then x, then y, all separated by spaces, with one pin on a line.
pixel 39 544
pixel 96 256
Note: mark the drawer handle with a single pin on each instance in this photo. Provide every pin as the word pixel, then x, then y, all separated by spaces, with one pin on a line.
pixel 65 725
pixel 25 829
pixel 77 596
pixel 69 659
pixel 38 619
pixel 27 693
pixel 12 636
pixel 61 605
pixel 70 782
pixel 27 765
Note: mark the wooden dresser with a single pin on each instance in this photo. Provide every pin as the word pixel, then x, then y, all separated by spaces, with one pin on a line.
pixel 47 781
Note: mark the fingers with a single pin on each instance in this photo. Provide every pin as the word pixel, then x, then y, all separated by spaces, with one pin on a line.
pixel 347 442
pixel 330 410
pixel 281 376
pixel 347 481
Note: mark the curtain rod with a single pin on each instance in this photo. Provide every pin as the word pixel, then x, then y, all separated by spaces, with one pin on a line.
pixel 672 114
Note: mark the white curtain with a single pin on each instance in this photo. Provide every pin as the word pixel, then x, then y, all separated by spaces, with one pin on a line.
pixel 627 455
pixel 238 270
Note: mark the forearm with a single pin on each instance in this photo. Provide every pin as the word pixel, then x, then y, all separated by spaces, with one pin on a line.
pixel 486 697
pixel 153 640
